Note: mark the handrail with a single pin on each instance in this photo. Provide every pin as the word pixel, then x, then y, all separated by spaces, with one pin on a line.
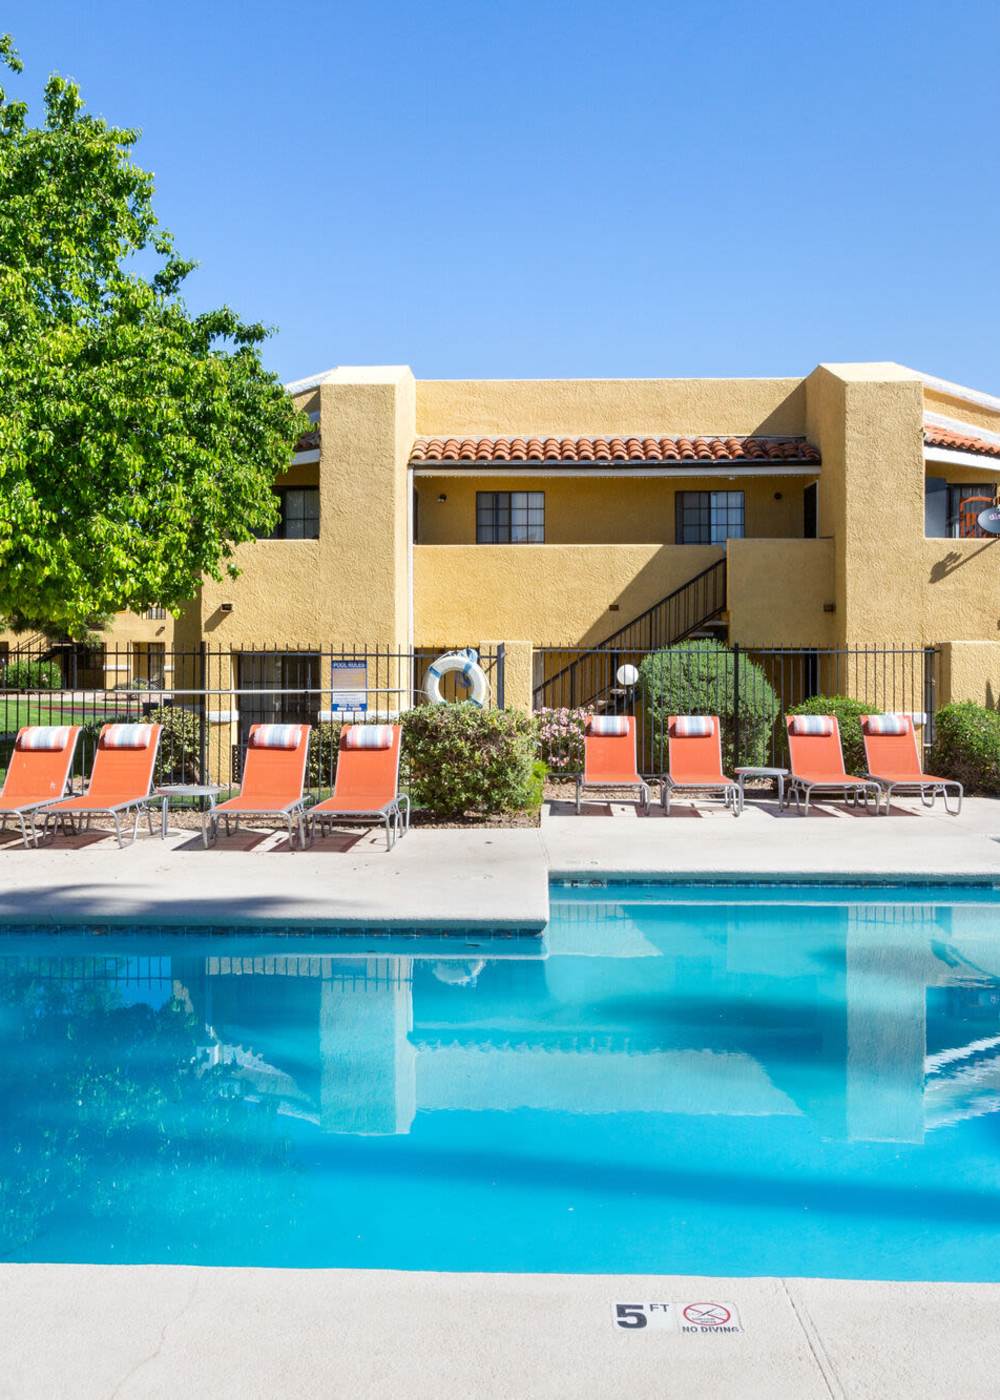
pixel 709 584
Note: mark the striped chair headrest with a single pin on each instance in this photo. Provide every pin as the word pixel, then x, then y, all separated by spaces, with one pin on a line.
pixel 887 724
pixel 368 736
pixel 608 726
pixel 276 736
pixel 44 736
pixel 694 726
pixel 821 725
pixel 127 736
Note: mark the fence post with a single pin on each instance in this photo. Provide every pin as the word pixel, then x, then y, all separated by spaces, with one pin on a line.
pixel 930 693
pixel 501 657
pixel 736 704
pixel 202 713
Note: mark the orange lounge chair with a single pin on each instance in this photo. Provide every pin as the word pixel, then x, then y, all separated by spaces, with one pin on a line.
pixel 609 757
pixel 694 761
pixel 38 773
pixel 894 762
pixel 817 763
pixel 367 781
pixel 274 775
pixel 121 779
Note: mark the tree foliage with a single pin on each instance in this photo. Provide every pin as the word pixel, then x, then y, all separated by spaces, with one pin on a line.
pixel 138 442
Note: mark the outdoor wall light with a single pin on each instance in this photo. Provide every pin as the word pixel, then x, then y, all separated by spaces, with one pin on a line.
pixel 777 495
pixel 226 607
pixel 442 498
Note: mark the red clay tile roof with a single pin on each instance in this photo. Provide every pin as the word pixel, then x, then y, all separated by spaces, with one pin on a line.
pixel 612 449
pixel 959 442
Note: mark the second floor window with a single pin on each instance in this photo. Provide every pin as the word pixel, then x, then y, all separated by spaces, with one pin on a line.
pixel 965 504
pixel 709 517
pixel 299 514
pixel 510 517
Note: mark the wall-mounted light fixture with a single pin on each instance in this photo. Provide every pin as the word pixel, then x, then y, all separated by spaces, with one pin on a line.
pixel 226 607
pixel 442 498
pixel 829 607
pixel 777 495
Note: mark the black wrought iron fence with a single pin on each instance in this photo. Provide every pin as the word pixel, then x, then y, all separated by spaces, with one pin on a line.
pixel 751 689
pixel 208 698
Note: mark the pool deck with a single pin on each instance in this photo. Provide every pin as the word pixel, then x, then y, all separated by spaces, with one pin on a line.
pixel 117 1333
pixel 476 878
pixel 114 1333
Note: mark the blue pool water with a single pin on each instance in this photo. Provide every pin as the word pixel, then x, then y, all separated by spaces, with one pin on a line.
pixel 675 1079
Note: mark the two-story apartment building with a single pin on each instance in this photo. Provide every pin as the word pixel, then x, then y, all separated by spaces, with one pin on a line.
pixel 837 508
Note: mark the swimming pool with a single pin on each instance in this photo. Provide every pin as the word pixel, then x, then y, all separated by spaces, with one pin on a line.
pixel 680 1079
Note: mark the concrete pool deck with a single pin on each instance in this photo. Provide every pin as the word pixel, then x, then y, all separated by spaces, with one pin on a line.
pixel 478 877
pixel 118 1333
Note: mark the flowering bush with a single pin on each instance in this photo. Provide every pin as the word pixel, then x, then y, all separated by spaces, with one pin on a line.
pixel 560 740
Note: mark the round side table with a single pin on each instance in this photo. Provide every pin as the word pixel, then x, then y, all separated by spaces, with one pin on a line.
pixel 167 791
pixel 778 774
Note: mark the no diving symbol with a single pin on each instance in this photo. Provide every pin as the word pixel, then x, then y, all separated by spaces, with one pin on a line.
pixel 707 1314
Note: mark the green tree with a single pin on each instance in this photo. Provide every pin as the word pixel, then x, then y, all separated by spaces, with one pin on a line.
pixel 138 442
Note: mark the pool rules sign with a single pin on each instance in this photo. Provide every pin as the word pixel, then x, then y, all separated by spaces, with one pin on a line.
pixel 683 1319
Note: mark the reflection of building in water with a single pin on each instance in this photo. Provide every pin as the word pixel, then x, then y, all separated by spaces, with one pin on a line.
pixel 877 1022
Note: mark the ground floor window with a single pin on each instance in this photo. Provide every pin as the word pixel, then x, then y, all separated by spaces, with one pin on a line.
pixel 284 686
pixel 148 661
pixel 709 517
pixel 510 517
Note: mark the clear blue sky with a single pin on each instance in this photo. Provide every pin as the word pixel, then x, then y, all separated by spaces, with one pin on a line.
pixel 534 188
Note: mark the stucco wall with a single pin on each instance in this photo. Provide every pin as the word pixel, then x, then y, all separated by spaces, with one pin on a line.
pixel 867 422
pixel 558 594
pixel 970 671
pixel 605 510
pixel 351 584
pixel 497 406
pixel 776 592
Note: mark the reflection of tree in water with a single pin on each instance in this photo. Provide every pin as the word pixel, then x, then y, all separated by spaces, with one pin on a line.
pixel 107 1116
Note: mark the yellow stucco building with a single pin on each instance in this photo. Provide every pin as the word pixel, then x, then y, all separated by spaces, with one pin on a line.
pixel 830 510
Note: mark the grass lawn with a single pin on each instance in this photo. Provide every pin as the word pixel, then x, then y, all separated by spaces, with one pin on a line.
pixel 16 711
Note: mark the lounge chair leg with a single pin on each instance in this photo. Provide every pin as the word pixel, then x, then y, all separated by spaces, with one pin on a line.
pixel 578 796
pixel 118 828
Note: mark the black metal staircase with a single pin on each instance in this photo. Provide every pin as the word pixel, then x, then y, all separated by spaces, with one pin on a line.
pixel 693 609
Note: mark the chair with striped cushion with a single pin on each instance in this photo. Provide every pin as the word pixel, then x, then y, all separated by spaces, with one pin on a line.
pixel 816 764
pixel 609 758
pixel 274 779
pixel 694 762
pixel 121 780
pixel 37 774
pixel 367 782
pixel 894 762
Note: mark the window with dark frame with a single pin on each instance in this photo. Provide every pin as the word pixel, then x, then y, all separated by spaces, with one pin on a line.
pixel 299 519
pixel 510 517
pixel 965 504
pixel 709 517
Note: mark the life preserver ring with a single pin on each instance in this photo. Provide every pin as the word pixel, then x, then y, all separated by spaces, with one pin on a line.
pixel 472 674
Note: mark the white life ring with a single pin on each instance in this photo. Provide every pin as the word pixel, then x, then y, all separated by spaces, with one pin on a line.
pixel 473 676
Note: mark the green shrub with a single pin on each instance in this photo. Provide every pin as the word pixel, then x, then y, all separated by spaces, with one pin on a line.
pixel 698 678
pixel 179 758
pixel 847 713
pixel 324 745
pixel 560 739
pixel 463 759
pixel 32 675
pixel 967 746
pixel 536 786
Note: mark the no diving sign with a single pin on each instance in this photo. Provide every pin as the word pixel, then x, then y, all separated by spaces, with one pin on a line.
pixel 687 1319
